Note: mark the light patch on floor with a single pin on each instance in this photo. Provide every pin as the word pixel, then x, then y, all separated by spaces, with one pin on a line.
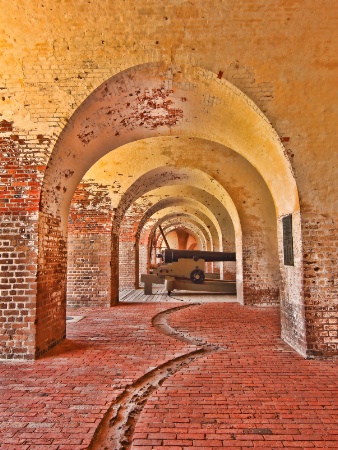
pixel 73 319
pixel 202 298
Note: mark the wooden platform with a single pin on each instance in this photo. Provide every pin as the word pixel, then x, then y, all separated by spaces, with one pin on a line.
pixel 161 295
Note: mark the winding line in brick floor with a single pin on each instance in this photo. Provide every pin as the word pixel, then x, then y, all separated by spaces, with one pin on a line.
pixel 116 429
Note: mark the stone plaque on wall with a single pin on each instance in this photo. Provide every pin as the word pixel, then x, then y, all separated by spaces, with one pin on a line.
pixel 288 241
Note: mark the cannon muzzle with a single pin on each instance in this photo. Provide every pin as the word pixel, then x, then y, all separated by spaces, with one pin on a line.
pixel 170 256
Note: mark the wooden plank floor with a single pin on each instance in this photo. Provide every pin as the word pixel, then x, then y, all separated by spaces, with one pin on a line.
pixel 160 295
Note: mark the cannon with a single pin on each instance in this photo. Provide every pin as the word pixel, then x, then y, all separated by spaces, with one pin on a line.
pixel 169 255
pixel 185 270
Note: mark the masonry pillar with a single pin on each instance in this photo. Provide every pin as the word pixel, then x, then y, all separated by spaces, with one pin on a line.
pixel 128 251
pixel 51 288
pixel 320 249
pixel 261 278
pixel 89 246
pixel 142 259
pixel 19 204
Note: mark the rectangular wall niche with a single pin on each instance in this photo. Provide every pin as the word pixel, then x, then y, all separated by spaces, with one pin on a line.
pixel 288 241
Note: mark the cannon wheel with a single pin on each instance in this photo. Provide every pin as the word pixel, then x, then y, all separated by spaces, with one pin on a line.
pixel 197 276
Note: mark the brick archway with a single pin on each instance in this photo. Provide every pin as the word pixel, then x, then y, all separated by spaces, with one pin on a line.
pixel 154 100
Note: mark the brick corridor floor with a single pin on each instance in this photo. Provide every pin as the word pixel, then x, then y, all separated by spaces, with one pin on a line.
pixel 250 391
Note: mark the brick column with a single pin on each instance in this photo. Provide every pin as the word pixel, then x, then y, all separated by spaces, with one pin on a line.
pixel 320 249
pixel 19 203
pixel 51 287
pixel 128 268
pixel 261 278
pixel 89 247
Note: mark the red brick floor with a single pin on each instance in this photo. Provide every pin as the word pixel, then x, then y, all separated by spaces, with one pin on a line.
pixel 253 392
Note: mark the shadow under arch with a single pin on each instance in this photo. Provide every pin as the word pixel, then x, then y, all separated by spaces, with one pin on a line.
pixel 156 99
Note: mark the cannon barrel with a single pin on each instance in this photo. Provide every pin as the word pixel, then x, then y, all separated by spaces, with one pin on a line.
pixel 170 255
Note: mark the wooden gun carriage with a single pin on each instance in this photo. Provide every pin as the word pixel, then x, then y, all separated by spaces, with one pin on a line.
pixel 185 270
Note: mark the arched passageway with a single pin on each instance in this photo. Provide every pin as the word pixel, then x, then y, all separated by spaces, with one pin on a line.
pixel 189 212
pixel 151 101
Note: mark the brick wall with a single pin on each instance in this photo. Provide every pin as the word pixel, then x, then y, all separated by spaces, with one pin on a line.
pixel 143 253
pixel 229 270
pixel 127 247
pixel 88 273
pixel 261 280
pixel 127 267
pixel 18 265
pixel 19 197
pixel 292 304
pixel 320 246
pixel 89 247
pixel 229 267
pixel 309 315
pixel 129 263
pixel 51 285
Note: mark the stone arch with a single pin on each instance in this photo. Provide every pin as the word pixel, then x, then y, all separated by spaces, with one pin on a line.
pixel 194 207
pixel 153 100
pixel 187 183
pixel 171 177
pixel 174 176
pixel 167 218
pixel 205 186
